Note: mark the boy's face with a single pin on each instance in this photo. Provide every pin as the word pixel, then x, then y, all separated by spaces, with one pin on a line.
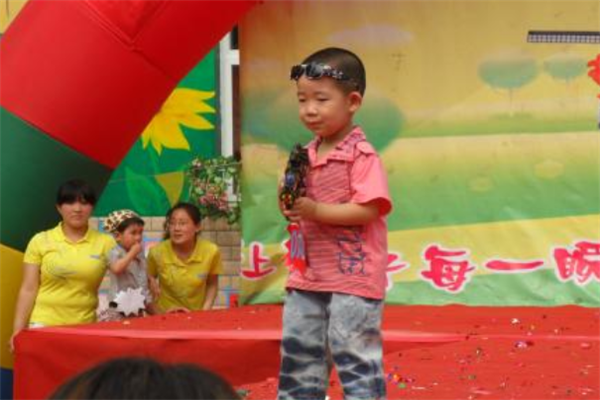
pixel 324 108
pixel 132 234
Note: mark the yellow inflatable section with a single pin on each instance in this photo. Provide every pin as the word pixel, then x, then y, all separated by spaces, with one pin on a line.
pixel 11 274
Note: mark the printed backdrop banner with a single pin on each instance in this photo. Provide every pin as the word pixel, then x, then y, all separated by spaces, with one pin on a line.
pixel 490 142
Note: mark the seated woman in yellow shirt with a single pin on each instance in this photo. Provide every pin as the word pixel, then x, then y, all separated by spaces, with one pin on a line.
pixel 64 266
pixel 187 266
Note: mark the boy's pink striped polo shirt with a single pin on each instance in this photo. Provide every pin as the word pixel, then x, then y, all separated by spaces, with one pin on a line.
pixel 346 259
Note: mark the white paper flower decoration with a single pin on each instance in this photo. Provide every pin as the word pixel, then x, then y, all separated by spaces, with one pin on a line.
pixel 130 301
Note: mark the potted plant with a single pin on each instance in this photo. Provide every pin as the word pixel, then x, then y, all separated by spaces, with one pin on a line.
pixel 214 187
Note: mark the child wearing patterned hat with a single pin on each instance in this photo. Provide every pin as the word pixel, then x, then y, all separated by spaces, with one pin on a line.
pixel 127 268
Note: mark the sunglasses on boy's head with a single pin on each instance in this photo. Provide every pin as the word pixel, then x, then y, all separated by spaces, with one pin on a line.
pixel 317 71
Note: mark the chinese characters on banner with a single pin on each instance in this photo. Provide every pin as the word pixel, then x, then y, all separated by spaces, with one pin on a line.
pixel 450 270
pixel 594 71
pixel 259 263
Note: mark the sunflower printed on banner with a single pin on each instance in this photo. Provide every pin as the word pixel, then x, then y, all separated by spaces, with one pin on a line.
pixel 81 80
pixel 150 179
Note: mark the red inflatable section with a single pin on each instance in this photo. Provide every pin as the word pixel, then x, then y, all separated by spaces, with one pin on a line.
pixel 92 74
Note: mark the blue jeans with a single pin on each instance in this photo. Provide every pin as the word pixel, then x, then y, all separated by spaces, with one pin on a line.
pixel 321 328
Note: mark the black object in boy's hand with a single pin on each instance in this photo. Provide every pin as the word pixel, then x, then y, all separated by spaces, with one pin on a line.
pixel 293 180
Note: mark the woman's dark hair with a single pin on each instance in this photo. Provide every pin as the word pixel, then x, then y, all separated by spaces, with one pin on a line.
pixel 145 378
pixel 189 208
pixel 347 62
pixel 75 190
pixel 128 222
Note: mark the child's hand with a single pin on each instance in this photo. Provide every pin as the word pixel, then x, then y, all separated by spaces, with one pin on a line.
pixel 136 248
pixel 304 208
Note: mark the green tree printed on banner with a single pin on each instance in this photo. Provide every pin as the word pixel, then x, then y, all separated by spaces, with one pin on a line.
pixel 565 66
pixel 508 71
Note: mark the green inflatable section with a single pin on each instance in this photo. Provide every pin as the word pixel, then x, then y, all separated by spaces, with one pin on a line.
pixel 32 167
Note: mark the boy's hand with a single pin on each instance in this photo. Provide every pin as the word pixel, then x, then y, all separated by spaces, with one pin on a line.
pixel 304 208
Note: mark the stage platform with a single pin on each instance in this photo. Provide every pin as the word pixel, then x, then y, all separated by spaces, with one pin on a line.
pixel 431 352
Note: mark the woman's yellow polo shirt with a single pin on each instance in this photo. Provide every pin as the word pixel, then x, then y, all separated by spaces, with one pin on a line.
pixel 183 283
pixel 70 274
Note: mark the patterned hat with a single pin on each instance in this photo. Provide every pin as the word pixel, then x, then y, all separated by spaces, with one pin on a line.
pixel 116 218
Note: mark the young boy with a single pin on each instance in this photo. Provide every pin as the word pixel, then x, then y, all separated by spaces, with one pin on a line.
pixel 127 263
pixel 336 305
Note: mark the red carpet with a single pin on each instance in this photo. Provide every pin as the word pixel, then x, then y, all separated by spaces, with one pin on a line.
pixel 437 352
pixel 506 353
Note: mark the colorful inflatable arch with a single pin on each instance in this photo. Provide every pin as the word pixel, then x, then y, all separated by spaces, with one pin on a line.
pixel 80 81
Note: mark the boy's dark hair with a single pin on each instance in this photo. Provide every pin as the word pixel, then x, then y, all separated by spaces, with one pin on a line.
pixel 128 222
pixel 347 62
pixel 189 208
pixel 145 378
pixel 75 190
